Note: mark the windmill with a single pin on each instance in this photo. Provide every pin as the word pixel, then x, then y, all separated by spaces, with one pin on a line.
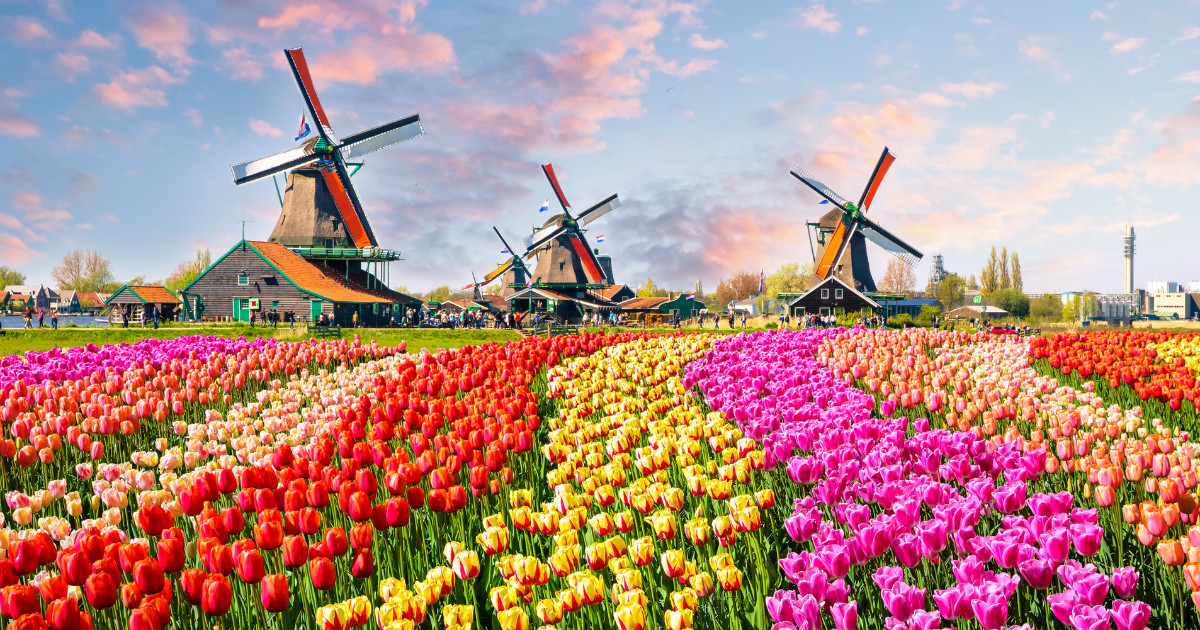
pixel 514 269
pixel 568 259
pixel 847 228
pixel 321 207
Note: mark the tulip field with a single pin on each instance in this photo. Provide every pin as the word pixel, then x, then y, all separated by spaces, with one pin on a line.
pixel 792 480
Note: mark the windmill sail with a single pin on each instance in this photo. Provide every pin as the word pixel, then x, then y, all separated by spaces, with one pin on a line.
pixel 889 242
pixel 800 172
pixel 599 210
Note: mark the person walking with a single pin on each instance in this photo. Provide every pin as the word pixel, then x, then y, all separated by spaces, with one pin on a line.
pixel 41 318
pixel 54 320
pixel 155 316
pixel 355 319
pixel 253 318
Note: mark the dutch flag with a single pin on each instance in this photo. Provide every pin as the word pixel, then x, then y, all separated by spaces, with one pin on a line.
pixel 600 239
pixel 545 206
pixel 505 251
pixel 304 128
pixel 823 201
pixel 690 296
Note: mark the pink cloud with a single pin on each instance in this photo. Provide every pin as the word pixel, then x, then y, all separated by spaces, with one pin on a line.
pixel 264 128
pixel 26 29
pixel 91 39
pixel 36 215
pixel 387 39
pixel 17 250
pixel 698 42
pixel 244 64
pixel 972 90
pixel 818 18
pixel 165 32
pixel 1123 45
pixel 135 88
pixel 18 126
pixel 73 63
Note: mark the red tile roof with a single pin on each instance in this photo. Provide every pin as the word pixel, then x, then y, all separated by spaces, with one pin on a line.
pixel 609 291
pixel 153 294
pixel 644 303
pixel 310 277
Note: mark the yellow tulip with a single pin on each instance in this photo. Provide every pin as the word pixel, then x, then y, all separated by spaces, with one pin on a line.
pixel 550 611
pixel 513 619
pixel 703 584
pixel 630 617
pixel 641 551
pixel 677 620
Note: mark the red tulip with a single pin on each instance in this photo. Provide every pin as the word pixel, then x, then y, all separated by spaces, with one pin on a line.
pixel 458 498
pixel 335 541
pixel 322 573
pixel 216 596
pixel 101 590
pixel 18 600
pixel 74 566
pixel 438 501
pixel 295 551
pixel 359 507
pixel 317 495
pixel 233 520
pixel 362 536
pixel 129 554
pixel 24 554
pixel 32 621
pixel 63 614
pixel 416 497
pixel 192 582
pixel 131 595
pixel 220 559
pixel 170 555
pixel 363 564
pixel 310 521
pixel 250 567
pixel 397 512
pixel 141 619
pixel 53 588
pixel 7 575
pixel 268 535
pixel 274 592
pixel 148 576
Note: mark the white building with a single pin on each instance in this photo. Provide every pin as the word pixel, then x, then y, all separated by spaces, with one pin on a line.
pixel 1193 286
pixel 1162 286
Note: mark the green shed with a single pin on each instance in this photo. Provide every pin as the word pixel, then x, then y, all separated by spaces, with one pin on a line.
pixel 687 308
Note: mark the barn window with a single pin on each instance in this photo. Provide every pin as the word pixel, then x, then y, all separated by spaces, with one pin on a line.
pixel 824 310
pixel 837 293
pixel 329 243
pixel 274 303
pixel 243 279
pixel 335 225
pixel 824 294
pixel 270 280
pixel 839 311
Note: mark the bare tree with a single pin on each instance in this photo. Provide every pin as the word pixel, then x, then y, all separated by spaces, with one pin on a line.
pixel 899 278
pixel 82 270
pixel 742 285
pixel 188 270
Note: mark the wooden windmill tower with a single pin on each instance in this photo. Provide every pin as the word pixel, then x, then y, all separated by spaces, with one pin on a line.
pixel 846 228
pixel 321 216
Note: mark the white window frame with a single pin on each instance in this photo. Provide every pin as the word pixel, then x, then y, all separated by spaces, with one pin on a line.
pixel 837 294
pixel 825 293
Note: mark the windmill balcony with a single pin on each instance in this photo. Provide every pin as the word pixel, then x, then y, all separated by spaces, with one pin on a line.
pixel 371 254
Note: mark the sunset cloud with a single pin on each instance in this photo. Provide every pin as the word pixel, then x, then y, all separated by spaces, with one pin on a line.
pixel 818 18
pixel 971 90
pixel 163 30
pixel 698 42
pixel 264 128
pixel 130 89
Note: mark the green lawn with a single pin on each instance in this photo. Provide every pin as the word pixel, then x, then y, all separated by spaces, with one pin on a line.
pixel 19 341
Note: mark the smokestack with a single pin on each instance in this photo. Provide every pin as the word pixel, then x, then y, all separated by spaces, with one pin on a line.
pixel 1129 238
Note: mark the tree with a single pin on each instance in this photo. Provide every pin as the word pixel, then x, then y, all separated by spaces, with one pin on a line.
pixel 928 312
pixel 1014 265
pixel 1011 300
pixel 187 271
pixel 82 270
pixel 1089 306
pixel 1005 280
pixel 649 289
pixel 10 276
pixel 972 283
pixel 440 294
pixel 1070 311
pixel 742 285
pixel 899 278
pixel 1048 308
pixel 989 277
pixel 952 292
pixel 699 289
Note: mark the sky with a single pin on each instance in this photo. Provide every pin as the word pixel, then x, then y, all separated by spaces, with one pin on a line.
pixel 1040 127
